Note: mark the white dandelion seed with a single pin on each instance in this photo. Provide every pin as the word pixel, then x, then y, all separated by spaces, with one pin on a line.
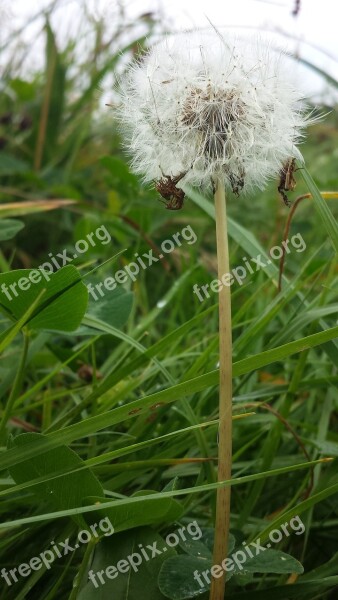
pixel 209 107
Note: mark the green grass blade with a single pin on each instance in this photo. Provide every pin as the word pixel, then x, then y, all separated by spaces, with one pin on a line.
pixel 170 494
pixel 322 208
pixel 120 414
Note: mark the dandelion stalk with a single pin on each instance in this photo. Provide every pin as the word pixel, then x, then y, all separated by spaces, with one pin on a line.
pixel 222 523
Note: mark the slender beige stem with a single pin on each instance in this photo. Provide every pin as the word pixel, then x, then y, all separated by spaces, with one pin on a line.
pixel 225 397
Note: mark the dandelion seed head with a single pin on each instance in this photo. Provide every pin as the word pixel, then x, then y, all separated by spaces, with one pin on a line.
pixel 213 107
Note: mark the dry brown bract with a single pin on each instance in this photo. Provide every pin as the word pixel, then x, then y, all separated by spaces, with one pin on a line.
pixel 167 187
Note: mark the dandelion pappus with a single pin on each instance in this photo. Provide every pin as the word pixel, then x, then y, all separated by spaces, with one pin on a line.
pixel 287 181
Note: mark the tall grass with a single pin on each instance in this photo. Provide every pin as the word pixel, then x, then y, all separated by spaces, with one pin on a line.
pixel 109 407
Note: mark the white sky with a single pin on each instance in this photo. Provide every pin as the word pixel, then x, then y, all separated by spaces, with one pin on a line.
pixel 315 28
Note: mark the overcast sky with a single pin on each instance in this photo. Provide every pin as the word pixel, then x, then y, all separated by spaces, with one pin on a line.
pixel 315 27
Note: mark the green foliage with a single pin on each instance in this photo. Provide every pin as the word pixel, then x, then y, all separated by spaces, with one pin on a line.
pixel 66 491
pixel 139 583
pixel 61 307
pixel 9 228
pixel 109 405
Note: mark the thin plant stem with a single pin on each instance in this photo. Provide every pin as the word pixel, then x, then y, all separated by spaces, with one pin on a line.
pixel 222 523
pixel 285 237
pixel 15 389
pixel 82 571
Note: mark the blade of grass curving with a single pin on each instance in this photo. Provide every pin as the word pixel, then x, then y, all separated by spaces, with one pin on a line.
pixel 122 413
pixel 285 516
pixel 248 241
pixel 322 208
pixel 114 454
pixel 170 494
pixel 12 332
pixel 42 382
pixel 125 369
